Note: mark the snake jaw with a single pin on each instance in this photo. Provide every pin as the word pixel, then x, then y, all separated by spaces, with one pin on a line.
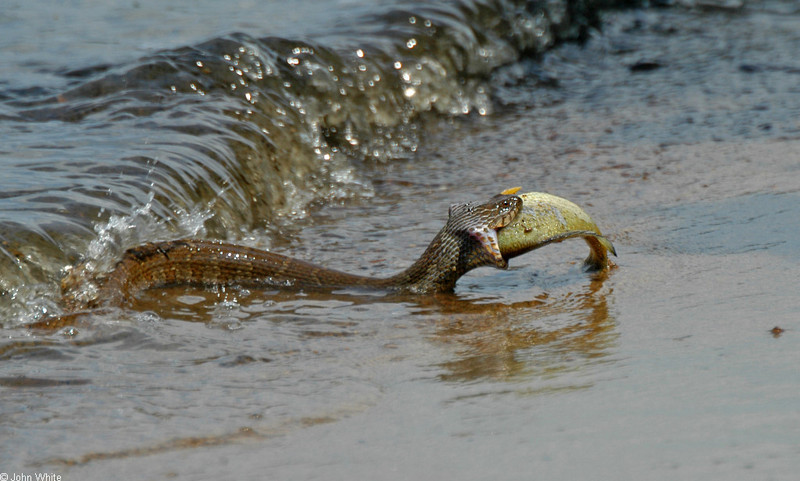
pixel 487 239
pixel 504 209
pixel 500 211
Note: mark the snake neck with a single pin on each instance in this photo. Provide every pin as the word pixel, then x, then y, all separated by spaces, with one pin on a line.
pixel 436 270
pixel 455 250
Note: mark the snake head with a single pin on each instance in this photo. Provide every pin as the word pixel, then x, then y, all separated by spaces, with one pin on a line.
pixel 481 221
pixel 503 209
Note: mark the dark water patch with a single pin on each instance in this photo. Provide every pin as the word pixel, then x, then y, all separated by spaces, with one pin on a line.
pixel 757 223
pixel 32 382
pixel 645 66
pixel 755 68
pixel 240 360
pixel 46 350
pixel 722 102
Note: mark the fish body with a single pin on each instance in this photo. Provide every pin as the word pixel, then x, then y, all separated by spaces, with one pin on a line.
pixel 545 219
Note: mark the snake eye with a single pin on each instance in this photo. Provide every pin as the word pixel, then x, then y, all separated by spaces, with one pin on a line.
pixel 507 205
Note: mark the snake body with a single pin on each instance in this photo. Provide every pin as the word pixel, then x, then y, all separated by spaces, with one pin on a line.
pixel 468 240
pixel 476 234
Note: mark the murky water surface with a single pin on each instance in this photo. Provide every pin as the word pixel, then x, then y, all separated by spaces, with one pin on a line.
pixel 677 129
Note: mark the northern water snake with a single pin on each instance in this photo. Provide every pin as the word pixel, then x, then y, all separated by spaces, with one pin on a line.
pixel 468 240
pixel 476 234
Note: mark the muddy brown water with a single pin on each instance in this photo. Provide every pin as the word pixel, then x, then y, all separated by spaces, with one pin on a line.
pixel 677 129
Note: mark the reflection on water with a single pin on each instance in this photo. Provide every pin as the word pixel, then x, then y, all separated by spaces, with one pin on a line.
pixel 540 338
pixel 340 348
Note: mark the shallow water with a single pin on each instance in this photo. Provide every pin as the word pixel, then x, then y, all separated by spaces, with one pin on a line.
pixel 677 129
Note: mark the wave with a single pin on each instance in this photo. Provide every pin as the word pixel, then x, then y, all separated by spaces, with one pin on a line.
pixel 241 133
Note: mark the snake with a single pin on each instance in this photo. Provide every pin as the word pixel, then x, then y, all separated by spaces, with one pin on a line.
pixel 480 233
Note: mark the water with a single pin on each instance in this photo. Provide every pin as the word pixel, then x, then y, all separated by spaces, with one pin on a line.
pixel 675 128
